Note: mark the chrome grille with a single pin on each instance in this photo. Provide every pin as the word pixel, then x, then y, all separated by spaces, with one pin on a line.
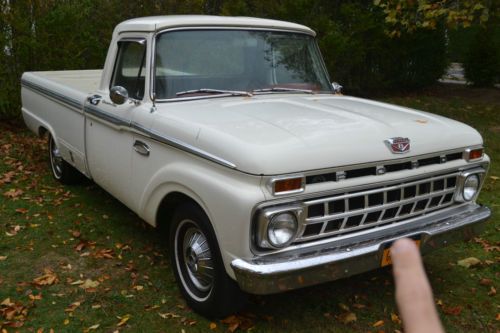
pixel 354 211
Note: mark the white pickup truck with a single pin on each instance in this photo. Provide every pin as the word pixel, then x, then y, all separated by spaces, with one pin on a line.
pixel 228 131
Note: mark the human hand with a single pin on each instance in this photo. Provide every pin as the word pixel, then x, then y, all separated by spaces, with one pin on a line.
pixel 413 291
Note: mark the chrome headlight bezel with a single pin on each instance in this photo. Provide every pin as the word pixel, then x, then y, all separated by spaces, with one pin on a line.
pixel 464 178
pixel 265 222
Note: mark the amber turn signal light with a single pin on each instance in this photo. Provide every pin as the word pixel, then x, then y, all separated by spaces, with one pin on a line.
pixel 474 154
pixel 288 185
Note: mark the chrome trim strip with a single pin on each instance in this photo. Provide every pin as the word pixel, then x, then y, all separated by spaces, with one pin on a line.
pixel 152 134
pixel 106 116
pixel 181 145
pixel 52 94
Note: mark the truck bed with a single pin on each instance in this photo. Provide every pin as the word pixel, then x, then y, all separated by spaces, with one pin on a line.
pixel 55 100
pixel 86 81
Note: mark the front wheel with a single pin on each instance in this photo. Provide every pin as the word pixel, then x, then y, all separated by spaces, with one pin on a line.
pixel 198 265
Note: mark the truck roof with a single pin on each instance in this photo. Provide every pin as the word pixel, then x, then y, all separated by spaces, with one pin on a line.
pixel 156 23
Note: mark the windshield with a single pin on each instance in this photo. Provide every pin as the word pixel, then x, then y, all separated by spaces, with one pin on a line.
pixel 192 62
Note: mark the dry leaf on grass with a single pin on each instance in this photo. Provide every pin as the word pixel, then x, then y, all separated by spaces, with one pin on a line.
pixel 47 279
pixel 468 262
pixel 347 317
pixel 123 320
pixel 89 284
pixel 452 310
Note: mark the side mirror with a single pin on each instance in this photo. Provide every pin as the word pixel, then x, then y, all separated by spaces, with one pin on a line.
pixel 337 88
pixel 118 95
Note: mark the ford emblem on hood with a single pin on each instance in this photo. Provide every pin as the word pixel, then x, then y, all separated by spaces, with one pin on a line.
pixel 398 145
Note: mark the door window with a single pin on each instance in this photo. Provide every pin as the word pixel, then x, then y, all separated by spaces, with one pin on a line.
pixel 130 68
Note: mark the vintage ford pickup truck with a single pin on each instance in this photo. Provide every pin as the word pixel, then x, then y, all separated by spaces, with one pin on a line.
pixel 227 131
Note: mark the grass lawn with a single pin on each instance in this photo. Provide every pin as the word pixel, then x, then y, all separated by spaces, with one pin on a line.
pixel 74 259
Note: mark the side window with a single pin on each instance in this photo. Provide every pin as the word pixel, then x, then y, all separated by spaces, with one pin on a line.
pixel 130 68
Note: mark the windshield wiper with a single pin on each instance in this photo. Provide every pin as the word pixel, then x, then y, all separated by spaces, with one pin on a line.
pixel 283 89
pixel 214 91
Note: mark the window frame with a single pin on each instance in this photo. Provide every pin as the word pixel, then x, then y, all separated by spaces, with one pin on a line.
pixel 139 40
pixel 152 72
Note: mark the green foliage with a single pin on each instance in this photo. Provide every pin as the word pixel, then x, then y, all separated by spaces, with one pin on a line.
pixel 482 62
pixel 72 34
pixel 408 16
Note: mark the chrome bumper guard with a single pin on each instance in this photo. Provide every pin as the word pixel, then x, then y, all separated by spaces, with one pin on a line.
pixel 327 262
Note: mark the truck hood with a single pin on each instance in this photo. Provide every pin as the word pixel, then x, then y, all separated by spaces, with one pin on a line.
pixel 279 134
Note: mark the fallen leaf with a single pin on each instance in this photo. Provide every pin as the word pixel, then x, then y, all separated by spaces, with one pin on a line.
pixel 492 291
pixel 168 315
pixel 13 193
pixel 72 307
pixel 88 284
pixel 469 262
pixel 77 282
pixel 485 282
pixel 452 310
pixel 104 254
pixel 22 210
pixel 49 278
pixel 395 318
pixel 344 307
pixel 92 328
pixel 213 326
pixel 494 178
pixel 347 317
pixel 3 258
pixel 66 321
pixel 237 321
pixel 498 316
pixel 378 323
pixel 123 320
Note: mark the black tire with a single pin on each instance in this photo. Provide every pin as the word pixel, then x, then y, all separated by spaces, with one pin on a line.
pixel 198 267
pixel 62 170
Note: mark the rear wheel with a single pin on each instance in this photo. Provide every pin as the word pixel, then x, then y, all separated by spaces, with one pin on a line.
pixel 198 265
pixel 61 170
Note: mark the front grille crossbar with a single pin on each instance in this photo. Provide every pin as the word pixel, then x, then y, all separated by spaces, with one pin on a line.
pixel 354 211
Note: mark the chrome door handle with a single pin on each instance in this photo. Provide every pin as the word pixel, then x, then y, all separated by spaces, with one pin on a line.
pixel 141 148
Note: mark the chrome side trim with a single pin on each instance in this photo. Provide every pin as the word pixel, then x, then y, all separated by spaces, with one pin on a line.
pixel 154 135
pixel 52 94
pixel 106 116
pixel 181 145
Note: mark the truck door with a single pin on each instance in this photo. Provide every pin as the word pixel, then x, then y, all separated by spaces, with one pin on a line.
pixel 109 137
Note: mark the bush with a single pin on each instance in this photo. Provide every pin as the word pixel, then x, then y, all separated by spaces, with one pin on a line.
pixel 482 62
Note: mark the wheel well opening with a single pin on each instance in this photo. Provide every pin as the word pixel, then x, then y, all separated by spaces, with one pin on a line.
pixel 42 132
pixel 167 209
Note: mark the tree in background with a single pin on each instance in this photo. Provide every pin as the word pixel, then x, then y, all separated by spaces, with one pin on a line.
pixel 368 45
pixel 472 25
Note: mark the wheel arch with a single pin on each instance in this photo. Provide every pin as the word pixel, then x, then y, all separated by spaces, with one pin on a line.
pixel 168 205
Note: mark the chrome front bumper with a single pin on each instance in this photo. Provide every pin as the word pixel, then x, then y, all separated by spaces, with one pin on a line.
pixel 331 261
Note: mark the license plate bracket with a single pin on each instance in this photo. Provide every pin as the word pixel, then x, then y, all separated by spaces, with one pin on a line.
pixel 386 255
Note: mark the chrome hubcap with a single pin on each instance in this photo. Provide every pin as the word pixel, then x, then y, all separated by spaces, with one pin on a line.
pixel 198 259
pixel 55 159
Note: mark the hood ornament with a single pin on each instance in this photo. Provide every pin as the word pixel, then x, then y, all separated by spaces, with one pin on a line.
pixel 398 145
